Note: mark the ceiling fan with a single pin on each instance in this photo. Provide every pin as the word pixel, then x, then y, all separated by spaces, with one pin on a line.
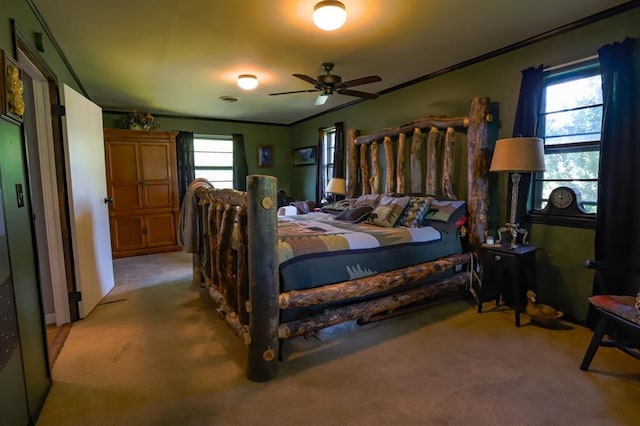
pixel 328 84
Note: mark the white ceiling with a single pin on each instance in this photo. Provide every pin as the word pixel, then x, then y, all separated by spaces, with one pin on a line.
pixel 179 57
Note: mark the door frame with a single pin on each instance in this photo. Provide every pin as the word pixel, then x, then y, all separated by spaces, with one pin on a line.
pixel 48 111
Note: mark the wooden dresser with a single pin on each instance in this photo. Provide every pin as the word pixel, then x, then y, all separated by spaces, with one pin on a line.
pixel 142 188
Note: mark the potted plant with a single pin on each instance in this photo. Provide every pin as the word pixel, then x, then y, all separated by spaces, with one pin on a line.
pixel 137 120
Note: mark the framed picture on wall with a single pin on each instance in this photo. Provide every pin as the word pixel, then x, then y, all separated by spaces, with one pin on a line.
pixel 265 156
pixel 304 156
pixel 11 88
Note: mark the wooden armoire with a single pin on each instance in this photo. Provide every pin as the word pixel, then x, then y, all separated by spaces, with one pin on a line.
pixel 142 187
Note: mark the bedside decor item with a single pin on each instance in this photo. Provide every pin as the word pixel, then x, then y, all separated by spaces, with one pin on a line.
pixel 516 155
pixel 565 201
pixel 540 313
pixel 137 120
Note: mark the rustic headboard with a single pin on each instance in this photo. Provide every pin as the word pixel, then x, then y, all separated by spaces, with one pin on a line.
pixel 425 168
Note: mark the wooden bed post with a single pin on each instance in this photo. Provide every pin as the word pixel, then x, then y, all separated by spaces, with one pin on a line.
pixel 353 189
pixel 478 185
pixel 264 286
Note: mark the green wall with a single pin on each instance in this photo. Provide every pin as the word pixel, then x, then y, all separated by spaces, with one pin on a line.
pixel 254 135
pixel 562 279
pixel 21 13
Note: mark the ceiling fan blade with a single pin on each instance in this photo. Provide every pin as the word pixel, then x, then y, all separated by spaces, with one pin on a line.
pixel 362 80
pixel 357 93
pixel 295 91
pixel 308 79
pixel 321 99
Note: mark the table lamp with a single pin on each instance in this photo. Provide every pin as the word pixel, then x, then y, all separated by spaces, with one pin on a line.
pixel 517 155
pixel 336 186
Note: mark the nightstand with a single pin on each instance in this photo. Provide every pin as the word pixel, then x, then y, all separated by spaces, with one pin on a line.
pixel 508 273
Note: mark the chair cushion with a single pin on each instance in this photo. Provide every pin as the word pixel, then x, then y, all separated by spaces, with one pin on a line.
pixel 621 306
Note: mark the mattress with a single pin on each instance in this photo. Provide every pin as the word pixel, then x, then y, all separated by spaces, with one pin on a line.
pixel 316 249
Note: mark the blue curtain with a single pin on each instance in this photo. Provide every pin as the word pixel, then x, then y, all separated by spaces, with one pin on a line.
pixel 240 169
pixel 338 152
pixel 526 125
pixel 617 238
pixel 186 166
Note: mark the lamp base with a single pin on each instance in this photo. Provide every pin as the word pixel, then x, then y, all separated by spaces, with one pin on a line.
pixel 508 235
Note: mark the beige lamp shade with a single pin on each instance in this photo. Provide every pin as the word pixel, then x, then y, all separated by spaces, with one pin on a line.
pixel 337 186
pixel 518 155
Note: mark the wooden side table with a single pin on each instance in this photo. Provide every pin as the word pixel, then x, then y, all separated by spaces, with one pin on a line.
pixel 508 273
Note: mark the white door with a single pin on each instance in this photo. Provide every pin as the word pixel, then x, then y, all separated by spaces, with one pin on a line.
pixel 87 185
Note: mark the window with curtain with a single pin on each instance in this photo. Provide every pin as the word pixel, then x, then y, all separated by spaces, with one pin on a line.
pixel 571 124
pixel 213 158
pixel 328 148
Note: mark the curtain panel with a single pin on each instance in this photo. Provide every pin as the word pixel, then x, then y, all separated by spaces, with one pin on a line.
pixel 617 239
pixel 526 125
pixel 240 169
pixel 319 168
pixel 185 162
pixel 339 151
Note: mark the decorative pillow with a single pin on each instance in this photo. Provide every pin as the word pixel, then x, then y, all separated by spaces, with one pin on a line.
pixel 355 214
pixel 446 211
pixel 370 200
pixel 337 207
pixel 388 211
pixel 413 214
pixel 638 302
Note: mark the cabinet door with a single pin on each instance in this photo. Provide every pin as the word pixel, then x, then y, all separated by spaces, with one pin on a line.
pixel 123 175
pixel 127 233
pixel 160 229
pixel 156 164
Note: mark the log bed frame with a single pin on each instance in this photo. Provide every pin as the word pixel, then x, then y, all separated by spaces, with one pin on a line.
pixel 237 260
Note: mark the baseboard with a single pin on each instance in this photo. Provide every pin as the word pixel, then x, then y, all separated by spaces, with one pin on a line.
pixel 50 318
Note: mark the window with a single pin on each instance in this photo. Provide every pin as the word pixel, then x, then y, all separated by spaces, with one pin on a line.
pixel 213 158
pixel 328 147
pixel 571 123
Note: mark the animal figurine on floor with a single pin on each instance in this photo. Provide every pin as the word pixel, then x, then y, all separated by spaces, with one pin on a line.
pixel 539 313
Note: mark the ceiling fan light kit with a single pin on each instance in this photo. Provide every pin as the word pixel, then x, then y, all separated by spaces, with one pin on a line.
pixel 247 81
pixel 329 15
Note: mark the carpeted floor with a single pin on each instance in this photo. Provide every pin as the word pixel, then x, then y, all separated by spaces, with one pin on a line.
pixel 155 353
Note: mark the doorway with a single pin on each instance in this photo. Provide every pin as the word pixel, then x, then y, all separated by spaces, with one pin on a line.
pixel 44 191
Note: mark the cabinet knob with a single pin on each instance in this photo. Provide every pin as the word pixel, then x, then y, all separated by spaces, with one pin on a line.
pixel 497 258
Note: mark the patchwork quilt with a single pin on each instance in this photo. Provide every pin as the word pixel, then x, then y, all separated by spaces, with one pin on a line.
pixel 316 249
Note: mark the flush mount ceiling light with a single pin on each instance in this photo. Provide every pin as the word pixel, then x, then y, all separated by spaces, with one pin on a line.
pixel 247 81
pixel 329 15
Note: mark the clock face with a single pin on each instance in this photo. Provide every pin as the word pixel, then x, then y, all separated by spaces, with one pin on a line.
pixel 561 197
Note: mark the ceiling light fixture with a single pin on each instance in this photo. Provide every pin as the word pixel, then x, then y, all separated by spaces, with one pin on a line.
pixel 247 81
pixel 329 15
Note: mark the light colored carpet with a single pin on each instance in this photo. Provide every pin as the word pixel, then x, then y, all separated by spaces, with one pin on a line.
pixel 155 353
